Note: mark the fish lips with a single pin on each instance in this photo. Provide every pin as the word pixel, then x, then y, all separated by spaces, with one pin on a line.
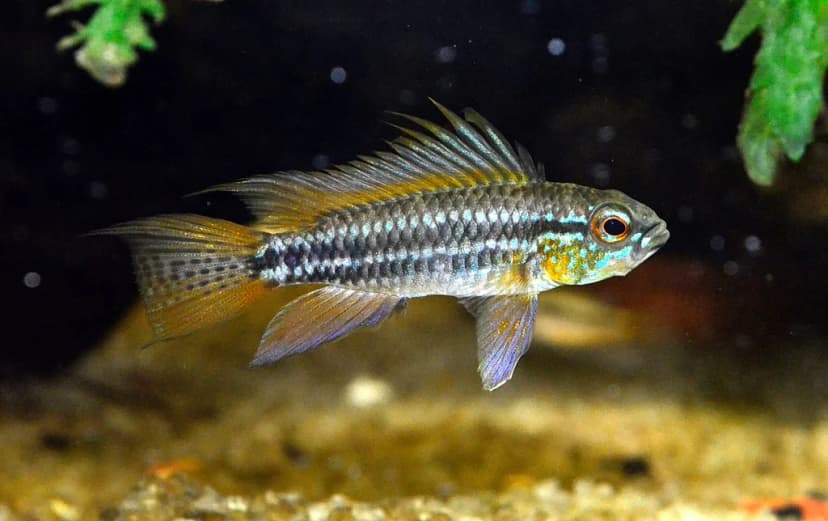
pixel 653 239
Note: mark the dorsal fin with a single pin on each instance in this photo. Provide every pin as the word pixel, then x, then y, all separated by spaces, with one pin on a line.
pixel 474 154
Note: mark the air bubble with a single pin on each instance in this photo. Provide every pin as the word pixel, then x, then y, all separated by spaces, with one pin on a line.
pixel 753 244
pixel 555 47
pixel 339 75
pixel 32 279
pixel 730 268
pixel 446 54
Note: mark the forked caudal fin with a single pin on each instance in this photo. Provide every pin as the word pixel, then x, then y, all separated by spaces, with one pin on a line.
pixel 193 271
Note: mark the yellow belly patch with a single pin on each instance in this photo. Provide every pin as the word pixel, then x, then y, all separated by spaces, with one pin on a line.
pixel 562 268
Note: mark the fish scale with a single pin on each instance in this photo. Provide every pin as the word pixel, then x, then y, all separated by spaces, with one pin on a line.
pixel 429 243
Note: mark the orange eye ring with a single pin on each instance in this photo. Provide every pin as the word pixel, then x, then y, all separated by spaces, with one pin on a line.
pixel 610 227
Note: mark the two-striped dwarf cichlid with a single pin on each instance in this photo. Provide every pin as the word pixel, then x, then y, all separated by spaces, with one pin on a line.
pixel 455 212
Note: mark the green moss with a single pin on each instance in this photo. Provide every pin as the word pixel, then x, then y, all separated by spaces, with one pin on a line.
pixel 785 93
pixel 109 41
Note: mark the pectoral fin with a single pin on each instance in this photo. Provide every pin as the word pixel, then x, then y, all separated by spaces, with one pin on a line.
pixel 504 329
pixel 321 316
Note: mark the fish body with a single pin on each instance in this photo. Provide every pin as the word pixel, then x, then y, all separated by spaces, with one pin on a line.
pixel 480 241
pixel 451 213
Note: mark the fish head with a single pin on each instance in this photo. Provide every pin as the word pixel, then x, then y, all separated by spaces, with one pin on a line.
pixel 614 235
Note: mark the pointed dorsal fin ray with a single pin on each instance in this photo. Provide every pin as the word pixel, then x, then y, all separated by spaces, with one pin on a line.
pixel 536 170
pixel 473 153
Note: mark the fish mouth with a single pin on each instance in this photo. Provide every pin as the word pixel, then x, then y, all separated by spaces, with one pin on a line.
pixel 653 239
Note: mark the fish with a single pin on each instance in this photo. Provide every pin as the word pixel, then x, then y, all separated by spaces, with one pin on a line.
pixel 449 210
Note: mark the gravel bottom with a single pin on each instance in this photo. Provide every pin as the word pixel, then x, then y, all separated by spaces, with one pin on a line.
pixel 392 424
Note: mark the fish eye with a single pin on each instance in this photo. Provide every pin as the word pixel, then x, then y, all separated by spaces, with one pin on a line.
pixel 614 226
pixel 610 225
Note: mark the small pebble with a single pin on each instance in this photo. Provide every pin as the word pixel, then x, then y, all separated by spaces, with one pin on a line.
pixel 636 466
pixel 63 510
pixel 364 392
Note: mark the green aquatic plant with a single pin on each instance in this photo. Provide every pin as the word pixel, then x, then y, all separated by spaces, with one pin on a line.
pixel 109 42
pixel 785 92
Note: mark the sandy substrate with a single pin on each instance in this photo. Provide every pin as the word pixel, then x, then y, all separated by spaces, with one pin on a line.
pixel 392 424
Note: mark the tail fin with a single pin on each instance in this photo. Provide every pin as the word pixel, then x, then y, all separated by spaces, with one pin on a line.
pixel 193 271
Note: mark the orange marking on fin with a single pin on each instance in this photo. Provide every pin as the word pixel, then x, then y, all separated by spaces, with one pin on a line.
pixel 193 271
pixel 471 154
pixel 512 278
pixel 309 204
pixel 190 312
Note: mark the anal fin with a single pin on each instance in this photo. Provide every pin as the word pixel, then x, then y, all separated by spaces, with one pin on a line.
pixel 505 326
pixel 322 316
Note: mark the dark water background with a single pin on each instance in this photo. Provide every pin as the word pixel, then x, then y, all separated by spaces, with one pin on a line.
pixel 640 99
